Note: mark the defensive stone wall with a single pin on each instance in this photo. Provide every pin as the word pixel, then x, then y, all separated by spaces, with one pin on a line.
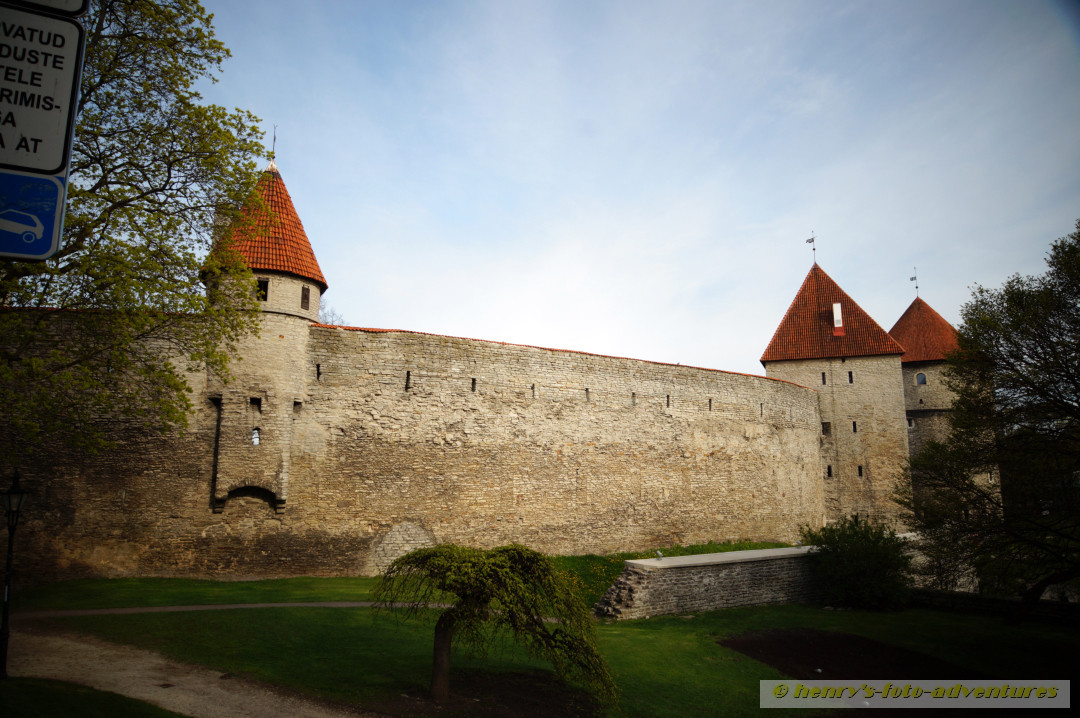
pixel 686 584
pixel 371 443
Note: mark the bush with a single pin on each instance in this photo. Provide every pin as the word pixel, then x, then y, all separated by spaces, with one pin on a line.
pixel 859 564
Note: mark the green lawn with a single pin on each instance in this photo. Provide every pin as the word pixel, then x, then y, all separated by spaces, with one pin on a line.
pixel 130 592
pixel 593 575
pixel 667 666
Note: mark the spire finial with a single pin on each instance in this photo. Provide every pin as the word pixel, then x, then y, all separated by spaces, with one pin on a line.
pixel 813 245
pixel 915 278
pixel 273 147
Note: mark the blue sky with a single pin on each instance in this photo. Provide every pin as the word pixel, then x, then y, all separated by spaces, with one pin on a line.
pixel 639 178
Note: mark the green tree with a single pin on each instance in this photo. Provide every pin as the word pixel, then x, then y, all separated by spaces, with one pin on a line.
pixel 860 564
pixel 508 589
pixel 107 328
pixel 1001 495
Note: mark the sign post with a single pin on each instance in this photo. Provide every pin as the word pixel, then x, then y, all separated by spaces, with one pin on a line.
pixel 40 69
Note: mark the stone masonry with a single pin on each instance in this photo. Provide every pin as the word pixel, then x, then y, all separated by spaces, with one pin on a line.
pixel 687 584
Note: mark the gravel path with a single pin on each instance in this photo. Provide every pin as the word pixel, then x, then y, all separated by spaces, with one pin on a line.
pixel 150 677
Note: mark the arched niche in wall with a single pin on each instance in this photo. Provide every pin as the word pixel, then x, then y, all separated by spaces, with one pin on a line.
pixel 245 494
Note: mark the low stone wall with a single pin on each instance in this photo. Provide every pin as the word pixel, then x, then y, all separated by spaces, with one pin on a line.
pixel 685 584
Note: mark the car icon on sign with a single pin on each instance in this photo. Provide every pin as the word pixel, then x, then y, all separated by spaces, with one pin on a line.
pixel 22 224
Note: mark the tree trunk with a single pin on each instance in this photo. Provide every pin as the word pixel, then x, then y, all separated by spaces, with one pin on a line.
pixel 440 666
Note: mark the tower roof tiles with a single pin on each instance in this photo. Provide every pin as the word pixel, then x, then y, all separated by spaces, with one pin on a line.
pixel 807 330
pixel 270 235
pixel 924 334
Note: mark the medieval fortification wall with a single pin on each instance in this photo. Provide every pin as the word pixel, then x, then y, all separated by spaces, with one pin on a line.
pixel 371 443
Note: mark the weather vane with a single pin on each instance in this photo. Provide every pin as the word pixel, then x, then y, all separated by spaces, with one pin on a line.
pixel 813 246
pixel 273 147
pixel 915 278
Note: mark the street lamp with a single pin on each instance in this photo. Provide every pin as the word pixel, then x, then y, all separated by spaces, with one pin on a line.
pixel 13 500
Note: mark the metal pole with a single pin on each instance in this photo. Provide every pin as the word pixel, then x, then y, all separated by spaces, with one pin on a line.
pixel 5 630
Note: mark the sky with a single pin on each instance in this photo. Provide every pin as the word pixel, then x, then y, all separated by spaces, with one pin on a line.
pixel 639 179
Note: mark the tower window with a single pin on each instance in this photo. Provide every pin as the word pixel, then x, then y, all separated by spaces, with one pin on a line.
pixel 826 428
pixel 263 290
pixel 473 388
pixel 828 471
pixel 305 298
pixel 850 378
pixel 823 378
pixel 860 471
pixel 255 436
pixel 911 423
pixel 854 427
pixel 920 379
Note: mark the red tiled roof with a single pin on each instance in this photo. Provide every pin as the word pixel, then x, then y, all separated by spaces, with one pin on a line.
pixel 270 235
pixel 924 333
pixel 806 331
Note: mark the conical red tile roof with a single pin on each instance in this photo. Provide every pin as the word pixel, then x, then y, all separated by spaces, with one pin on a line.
pixel 270 235
pixel 806 331
pixel 924 333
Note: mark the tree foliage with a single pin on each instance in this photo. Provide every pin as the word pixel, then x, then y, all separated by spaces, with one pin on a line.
pixel 859 564
pixel 511 589
pixel 1001 496
pixel 107 328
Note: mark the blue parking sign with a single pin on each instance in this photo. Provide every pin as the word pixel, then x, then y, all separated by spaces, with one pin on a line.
pixel 31 214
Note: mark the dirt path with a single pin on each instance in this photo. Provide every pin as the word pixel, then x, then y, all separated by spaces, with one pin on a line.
pixel 150 677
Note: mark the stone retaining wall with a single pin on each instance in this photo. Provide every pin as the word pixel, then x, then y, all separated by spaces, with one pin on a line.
pixel 686 584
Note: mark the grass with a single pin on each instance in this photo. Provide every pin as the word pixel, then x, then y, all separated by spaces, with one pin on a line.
pixel 131 592
pixel 39 698
pixel 665 666
pixel 592 574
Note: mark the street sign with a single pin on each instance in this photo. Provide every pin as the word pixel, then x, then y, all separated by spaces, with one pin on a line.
pixel 61 7
pixel 40 68
pixel 31 214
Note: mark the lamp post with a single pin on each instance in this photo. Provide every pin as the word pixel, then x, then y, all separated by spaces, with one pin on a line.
pixel 13 500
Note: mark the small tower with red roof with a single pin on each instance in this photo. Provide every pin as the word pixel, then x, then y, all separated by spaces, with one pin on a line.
pixel 257 411
pixel 927 339
pixel 826 341
pixel 272 241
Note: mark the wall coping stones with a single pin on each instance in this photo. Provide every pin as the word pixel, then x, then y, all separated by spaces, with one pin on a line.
pixel 708 559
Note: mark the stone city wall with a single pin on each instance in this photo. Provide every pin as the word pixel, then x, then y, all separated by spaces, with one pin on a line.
pixel 372 443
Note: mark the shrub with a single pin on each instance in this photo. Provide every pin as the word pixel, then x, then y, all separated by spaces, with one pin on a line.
pixel 859 564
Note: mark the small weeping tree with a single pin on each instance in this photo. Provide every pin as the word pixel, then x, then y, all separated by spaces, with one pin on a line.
pixel 507 589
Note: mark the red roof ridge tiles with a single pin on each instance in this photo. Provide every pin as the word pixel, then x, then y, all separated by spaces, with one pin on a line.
pixel 806 331
pixel 270 235
pixel 924 333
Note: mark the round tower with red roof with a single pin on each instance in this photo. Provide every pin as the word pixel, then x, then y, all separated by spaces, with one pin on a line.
pixel 258 409
pixel 927 339
pixel 271 239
